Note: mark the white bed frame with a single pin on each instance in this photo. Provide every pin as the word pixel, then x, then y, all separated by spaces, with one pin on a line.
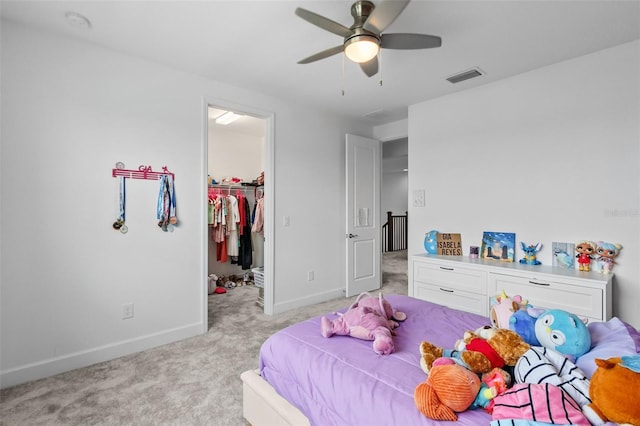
pixel 261 404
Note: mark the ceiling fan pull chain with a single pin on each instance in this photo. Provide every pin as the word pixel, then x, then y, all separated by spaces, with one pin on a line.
pixel 342 77
pixel 381 67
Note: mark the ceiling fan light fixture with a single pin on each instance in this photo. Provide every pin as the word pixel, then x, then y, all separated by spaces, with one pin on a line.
pixel 361 48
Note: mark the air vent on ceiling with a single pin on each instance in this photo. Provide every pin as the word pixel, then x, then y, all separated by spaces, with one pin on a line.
pixel 465 75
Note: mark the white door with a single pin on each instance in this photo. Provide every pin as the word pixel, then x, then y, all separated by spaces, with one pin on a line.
pixel 363 214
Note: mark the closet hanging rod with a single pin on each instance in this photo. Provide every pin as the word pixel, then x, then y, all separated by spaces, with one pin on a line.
pixel 143 172
pixel 232 186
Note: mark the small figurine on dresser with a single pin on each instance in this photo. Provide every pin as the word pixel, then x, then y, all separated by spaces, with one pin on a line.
pixel 606 253
pixel 586 250
pixel 530 253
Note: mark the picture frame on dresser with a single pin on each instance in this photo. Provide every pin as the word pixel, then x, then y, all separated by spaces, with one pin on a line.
pixel 498 246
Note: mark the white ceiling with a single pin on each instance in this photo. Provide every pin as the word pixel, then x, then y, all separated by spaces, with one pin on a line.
pixel 256 44
pixel 245 124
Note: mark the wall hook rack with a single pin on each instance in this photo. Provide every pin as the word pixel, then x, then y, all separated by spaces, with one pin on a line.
pixel 143 172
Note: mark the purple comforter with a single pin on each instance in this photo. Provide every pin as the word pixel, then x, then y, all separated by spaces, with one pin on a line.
pixel 341 381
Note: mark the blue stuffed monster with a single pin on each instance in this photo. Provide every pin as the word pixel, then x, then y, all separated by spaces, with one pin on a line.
pixel 523 322
pixel 564 332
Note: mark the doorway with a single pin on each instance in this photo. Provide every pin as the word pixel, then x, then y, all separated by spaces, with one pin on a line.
pixel 238 156
pixel 395 203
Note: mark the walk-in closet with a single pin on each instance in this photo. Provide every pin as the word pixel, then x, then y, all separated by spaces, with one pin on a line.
pixel 235 193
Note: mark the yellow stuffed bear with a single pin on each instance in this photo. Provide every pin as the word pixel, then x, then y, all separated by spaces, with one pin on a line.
pixel 483 350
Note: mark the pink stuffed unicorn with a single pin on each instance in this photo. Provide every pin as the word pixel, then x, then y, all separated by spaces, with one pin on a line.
pixel 502 307
pixel 368 318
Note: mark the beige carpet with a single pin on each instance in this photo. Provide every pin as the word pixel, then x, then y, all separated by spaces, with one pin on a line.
pixel 192 382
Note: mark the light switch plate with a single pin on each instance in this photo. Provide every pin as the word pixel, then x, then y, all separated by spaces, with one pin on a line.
pixel 418 198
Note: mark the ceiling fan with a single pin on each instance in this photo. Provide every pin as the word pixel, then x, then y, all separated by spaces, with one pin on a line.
pixel 364 38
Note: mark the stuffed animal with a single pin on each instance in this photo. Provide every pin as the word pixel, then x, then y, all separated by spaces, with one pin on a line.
pixel 614 388
pixel 212 283
pixel 484 350
pixel 380 305
pixel 485 397
pixel 449 389
pixel 365 321
pixel 530 253
pixel 523 322
pixel 564 332
pixel 502 307
pixel 498 379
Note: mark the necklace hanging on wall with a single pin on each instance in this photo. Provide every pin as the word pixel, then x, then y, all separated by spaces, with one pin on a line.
pixel 119 223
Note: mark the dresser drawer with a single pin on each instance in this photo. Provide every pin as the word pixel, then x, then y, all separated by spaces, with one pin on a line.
pixel 450 276
pixel 456 299
pixel 583 301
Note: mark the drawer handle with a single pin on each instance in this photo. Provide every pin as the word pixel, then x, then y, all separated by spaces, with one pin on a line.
pixel 537 283
pixel 447 290
pixel 446 269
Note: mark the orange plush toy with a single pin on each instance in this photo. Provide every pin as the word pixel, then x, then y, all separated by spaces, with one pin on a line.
pixel 615 391
pixel 449 389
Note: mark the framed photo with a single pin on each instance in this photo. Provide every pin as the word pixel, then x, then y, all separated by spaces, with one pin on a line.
pixel 500 246
pixel 563 255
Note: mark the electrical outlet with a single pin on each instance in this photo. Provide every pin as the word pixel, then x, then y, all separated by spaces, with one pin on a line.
pixel 127 311
pixel 310 276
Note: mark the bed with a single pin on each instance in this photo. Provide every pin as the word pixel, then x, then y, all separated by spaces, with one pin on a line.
pixel 306 379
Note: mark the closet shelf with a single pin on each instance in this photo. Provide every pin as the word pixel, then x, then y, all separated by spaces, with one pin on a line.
pixel 143 172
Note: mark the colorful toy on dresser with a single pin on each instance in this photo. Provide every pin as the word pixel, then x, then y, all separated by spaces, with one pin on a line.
pixel 601 254
pixel 585 250
pixel 606 253
pixel 530 252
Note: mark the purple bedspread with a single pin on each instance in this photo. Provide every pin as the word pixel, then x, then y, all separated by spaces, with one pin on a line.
pixel 341 381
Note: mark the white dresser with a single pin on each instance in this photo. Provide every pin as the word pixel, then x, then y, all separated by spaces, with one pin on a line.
pixel 467 284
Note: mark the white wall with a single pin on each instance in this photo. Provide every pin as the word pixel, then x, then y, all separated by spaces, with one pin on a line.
pixel 234 154
pixel 552 155
pixel 394 193
pixel 394 177
pixel 70 110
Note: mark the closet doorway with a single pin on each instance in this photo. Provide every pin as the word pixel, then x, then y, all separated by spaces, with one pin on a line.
pixel 236 164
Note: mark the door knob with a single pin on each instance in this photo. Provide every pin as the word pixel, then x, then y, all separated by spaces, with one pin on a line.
pixel 352 235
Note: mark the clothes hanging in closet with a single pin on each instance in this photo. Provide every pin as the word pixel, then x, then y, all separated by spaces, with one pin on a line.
pixel 230 227
pixel 246 245
pixel 258 217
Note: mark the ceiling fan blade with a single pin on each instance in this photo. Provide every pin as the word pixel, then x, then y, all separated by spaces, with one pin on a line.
pixel 324 23
pixel 370 68
pixel 384 14
pixel 321 55
pixel 409 41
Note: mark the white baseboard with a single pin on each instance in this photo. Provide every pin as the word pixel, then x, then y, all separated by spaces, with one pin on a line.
pixel 61 364
pixel 308 300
